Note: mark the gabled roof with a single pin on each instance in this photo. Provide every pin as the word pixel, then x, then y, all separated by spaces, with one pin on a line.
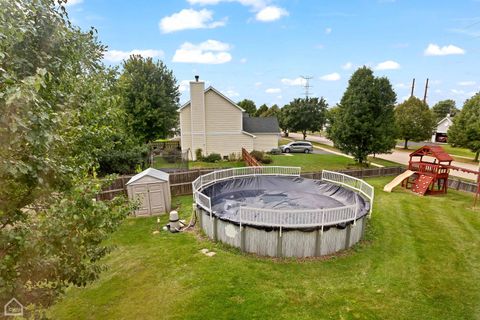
pixel 210 88
pixel 432 151
pixel 151 173
pixel 260 125
pixel 449 119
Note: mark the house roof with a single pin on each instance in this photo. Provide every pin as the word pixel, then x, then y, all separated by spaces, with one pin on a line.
pixel 261 124
pixel 447 118
pixel 432 151
pixel 210 88
pixel 151 173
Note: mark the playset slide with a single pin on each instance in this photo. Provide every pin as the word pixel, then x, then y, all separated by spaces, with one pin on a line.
pixel 398 179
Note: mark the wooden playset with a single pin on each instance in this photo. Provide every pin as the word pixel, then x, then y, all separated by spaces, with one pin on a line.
pixel 428 171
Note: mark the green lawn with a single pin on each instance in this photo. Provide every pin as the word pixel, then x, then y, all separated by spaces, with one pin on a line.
pixel 313 162
pixel 219 165
pixel 420 260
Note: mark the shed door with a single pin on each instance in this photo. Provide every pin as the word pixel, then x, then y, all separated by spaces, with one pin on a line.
pixel 141 193
pixel 157 199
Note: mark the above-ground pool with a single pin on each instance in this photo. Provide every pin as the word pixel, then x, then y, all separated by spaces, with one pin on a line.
pixel 272 211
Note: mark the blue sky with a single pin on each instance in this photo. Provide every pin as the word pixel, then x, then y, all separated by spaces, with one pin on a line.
pixel 258 49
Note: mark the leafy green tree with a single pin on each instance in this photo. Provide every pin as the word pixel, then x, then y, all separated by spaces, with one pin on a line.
pixel 444 107
pixel 414 120
pixel 307 114
pixel 261 110
pixel 465 131
pixel 332 114
pixel 249 107
pixel 150 97
pixel 363 122
pixel 58 113
pixel 283 117
pixel 273 111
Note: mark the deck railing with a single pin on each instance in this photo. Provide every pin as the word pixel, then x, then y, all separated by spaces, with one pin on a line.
pixel 302 218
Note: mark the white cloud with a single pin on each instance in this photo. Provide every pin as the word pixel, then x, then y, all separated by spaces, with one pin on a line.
pixel 243 60
pixel 254 4
pixel 258 84
pixel 71 3
pixel 388 65
pixel 271 13
pixel 347 66
pixel 232 93
pixel 273 90
pixel 467 83
pixel 328 30
pixel 118 55
pixel 294 82
pixel 183 86
pixel 459 92
pixel 401 85
pixel 208 52
pixel 190 19
pixel 331 77
pixel 436 50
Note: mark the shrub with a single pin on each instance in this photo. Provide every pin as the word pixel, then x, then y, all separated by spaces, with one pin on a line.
pixel 212 157
pixel 198 154
pixel 261 157
pixel 123 160
pixel 234 156
pixel 267 159
pixel 275 151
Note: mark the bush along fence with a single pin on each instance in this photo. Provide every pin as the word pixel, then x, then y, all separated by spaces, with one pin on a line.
pixel 181 182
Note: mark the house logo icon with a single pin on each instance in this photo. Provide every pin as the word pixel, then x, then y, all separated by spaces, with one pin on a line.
pixel 13 308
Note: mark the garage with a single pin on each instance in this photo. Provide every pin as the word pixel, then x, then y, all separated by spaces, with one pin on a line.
pixel 152 189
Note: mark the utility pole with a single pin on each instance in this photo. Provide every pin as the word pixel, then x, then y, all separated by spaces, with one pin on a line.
pixel 413 88
pixel 307 85
pixel 425 94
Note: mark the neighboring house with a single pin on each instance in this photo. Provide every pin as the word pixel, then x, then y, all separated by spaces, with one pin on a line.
pixel 440 133
pixel 212 122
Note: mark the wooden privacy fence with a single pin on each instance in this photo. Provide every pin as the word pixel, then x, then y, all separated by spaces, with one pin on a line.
pixel 181 182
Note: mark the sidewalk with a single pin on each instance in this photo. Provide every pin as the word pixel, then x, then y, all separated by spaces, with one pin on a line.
pixel 398 157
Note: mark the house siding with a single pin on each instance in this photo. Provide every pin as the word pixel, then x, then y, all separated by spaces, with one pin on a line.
pixel 225 144
pixel 186 128
pixel 265 142
pixel 221 115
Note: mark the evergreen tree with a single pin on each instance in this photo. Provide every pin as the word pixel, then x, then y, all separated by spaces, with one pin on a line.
pixel 364 121
pixel 414 120
pixel 465 131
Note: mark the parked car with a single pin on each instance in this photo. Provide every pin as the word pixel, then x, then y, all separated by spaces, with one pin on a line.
pixel 297 146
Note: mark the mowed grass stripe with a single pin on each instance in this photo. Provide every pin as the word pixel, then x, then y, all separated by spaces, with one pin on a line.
pixel 419 261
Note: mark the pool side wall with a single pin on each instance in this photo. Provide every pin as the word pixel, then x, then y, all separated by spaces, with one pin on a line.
pixel 274 243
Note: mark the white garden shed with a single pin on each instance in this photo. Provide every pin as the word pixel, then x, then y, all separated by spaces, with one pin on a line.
pixel 152 188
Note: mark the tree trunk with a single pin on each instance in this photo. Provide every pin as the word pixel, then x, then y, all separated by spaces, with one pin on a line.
pixel 304 135
pixel 406 144
pixel 476 155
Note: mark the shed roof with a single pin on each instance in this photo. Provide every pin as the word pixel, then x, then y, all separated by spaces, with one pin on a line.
pixel 261 124
pixel 151 172
pixel 432 151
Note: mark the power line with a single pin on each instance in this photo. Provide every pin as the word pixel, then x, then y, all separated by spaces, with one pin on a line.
pixel 307 85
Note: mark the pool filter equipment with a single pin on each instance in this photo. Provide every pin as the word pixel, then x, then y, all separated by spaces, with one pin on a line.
pixel 174 222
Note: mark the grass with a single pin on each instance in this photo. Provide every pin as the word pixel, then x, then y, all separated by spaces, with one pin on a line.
pixel 313 162
pixel 459 154
pixel 219 165
pixel 420 260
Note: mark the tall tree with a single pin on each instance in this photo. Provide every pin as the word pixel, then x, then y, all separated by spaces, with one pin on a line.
pixel 307 114
pixel 271 112
pixel 444 107
pixel 150 97
pixel 465 131
pixel 363 122
pixel 58 112
pixel 261 110
pixel 249 107
pixel 414 120
pixel 283 117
